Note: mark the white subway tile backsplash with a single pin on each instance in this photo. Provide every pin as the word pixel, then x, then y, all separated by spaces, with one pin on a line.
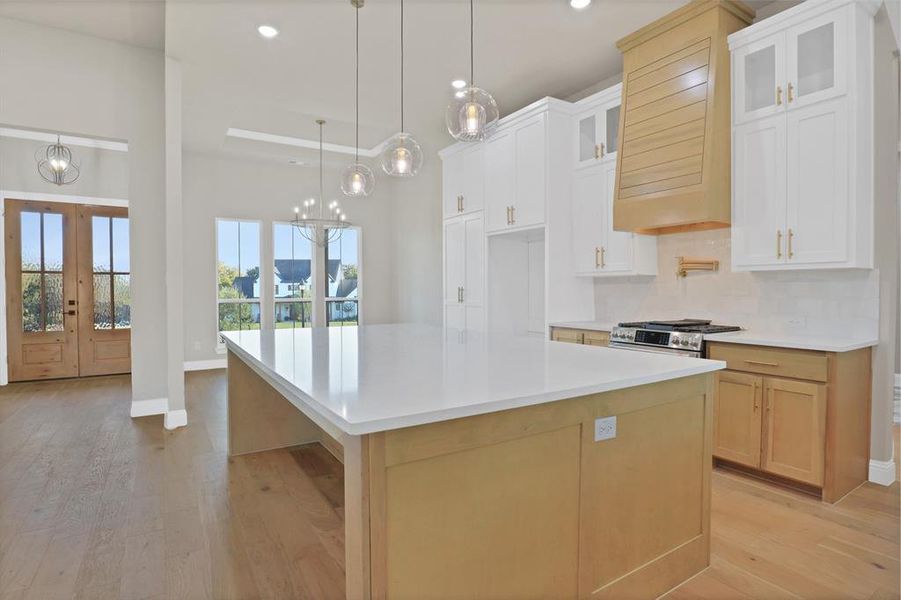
pixel 813 301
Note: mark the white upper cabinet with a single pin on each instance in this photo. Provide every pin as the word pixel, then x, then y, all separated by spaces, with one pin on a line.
pixel 598 250
pixel 516 175
pixel 463 181
pixel 597 127
pixel 801 143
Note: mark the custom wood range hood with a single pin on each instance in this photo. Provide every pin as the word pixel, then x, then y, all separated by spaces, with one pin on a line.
pixel 673 167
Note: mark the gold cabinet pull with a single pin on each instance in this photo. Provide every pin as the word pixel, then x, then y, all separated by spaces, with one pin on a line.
pixel 603 262
pixel 791 235
pixel 778 95
pixel 512 215
pixel 597 150
pixel 462 294
pixel 597 257
pixel 460 203
pixel 508 215
pixel 790 90
pixel 778 243
pixel 761 363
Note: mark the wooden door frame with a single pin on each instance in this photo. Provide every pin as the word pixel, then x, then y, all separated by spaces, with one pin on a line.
pixel 25 196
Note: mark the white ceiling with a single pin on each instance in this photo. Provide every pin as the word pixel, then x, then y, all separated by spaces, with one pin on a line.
pixel 524 50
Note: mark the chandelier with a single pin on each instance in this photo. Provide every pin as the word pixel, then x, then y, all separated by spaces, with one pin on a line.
pixel 55 164
pixel 311 220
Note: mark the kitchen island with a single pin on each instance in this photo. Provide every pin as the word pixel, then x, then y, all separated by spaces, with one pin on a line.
pixel 491 465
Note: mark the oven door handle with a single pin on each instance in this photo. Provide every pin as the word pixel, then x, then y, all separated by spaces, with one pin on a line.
pixel 638 348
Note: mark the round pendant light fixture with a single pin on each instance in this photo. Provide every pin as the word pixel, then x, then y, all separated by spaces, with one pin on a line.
pixel 402 155
pixel 56 165
pixel 312 222
pixel 472 113
pixel 357 180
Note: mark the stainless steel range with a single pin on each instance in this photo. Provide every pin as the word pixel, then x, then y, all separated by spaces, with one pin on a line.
pixel 685 337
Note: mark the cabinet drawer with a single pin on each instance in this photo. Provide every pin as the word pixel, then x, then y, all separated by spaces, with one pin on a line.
pixel 797 364
pixel 573 336
pixel 595 338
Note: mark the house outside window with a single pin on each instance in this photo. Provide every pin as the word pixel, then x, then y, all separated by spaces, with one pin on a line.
pixel 342 261
pixel 238 274
pixel 292 277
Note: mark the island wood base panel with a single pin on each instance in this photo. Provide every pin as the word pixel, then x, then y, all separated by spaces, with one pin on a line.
pixel 524 503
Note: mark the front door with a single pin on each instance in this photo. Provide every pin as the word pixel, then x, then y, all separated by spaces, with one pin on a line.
pixel 68 293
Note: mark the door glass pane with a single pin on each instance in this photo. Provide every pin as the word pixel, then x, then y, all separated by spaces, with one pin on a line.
pixel 122 297
pixel 587 137
pixel 290 315
pixel 293 262
pixel 816 59
pixel 121 258
pixel 103 315
pixel 612 128
pixel 760 78
pixel 100 236
pixel 31 302
pixel 31 241
pixel 53 242
pixel 53 301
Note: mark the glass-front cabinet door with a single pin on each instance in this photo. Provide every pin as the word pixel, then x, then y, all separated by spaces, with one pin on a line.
pixel 760 83
pixel 597 129
pixel 816 59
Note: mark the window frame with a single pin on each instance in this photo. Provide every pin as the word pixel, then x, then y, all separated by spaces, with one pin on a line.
pixel 220 344
pixel 277 300
pixel 360 278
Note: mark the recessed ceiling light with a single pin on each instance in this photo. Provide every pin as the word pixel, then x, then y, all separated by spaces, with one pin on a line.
pixel 579 4
pixel 458 84
pixel 267 31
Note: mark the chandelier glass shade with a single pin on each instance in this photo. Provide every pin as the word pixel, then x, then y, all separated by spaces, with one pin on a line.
pixel 55 164
pixel 402 154
pixel 312 221
pixel 472 113
pixel 357 180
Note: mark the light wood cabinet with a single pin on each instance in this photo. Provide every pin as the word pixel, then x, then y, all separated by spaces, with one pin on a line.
pixel 802 186
pixel 796 415
pixel 463 182
pixel 795 429
pixel 672 170
pixel 589 337
pixel 737 418
pixel 464 271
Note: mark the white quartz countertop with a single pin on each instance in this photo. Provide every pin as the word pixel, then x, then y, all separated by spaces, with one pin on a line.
pixel 797 340
pixel 589 325
pixel 382 377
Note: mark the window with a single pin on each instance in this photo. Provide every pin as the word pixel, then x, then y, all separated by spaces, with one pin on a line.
pixel 238 274
pixel 292 277
pixel 110 260
pixel 342 267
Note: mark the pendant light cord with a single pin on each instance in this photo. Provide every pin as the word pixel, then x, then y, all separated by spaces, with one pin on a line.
pixel 320 168
pixel 357 87
pixel 401 66
pixel 472 82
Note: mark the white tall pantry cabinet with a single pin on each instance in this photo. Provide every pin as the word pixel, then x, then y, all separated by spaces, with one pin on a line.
pixel 802 193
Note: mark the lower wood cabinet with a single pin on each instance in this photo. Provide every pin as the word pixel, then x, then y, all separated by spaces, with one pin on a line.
pixel 589 337
pixel 809 431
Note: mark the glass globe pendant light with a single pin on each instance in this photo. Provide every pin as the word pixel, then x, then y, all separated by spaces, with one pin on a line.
pixel 402 155
pixel 472 113
pixel 55 164
pixel 357 180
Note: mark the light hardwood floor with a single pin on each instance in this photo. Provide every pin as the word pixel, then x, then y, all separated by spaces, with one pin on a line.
pixel 94 504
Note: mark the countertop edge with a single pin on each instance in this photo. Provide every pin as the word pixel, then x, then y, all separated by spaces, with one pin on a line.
pixel 303 402
pixel 774 341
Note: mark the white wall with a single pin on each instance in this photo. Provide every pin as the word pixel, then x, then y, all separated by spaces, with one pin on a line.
pixel 61 81
pixel 233 188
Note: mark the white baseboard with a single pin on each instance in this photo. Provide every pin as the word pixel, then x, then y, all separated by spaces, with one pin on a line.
pixel 882 472
pixel 897 412
pixel 176 418
pixel 151 406
pixel 204 365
